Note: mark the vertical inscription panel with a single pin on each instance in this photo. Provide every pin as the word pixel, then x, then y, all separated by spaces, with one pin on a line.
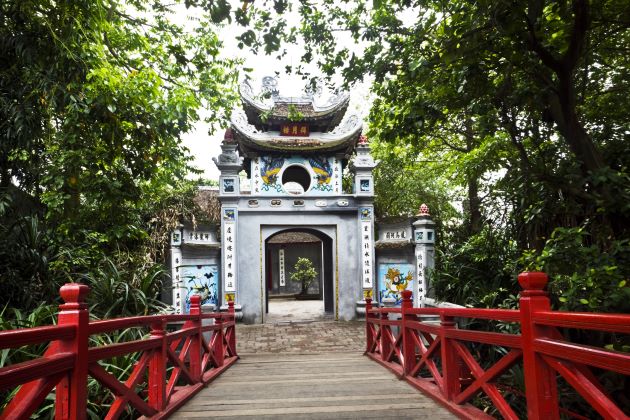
pixel 229 250
pixel 367 248
pixel 283 281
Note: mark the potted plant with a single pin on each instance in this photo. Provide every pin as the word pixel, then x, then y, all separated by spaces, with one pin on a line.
pixel 304 273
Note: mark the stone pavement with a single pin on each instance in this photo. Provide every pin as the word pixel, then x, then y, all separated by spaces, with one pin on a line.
pixel 307 337
pixel 285 310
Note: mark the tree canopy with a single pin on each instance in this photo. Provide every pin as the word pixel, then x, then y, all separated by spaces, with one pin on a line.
pixel 513 111
pixel 517 110
pixel 94 98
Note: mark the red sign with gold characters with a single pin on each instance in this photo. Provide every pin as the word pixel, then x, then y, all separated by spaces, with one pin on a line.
pixel 294 130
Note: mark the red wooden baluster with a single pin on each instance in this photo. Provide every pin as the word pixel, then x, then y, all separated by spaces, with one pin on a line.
pixel 385 343
pixel 409 348
pixel 157 368
pixel 368 330
pixel 219 350
pixel 195 340
pixel 450 366
pixel 540 379
pixel 71 394
pixel 232 335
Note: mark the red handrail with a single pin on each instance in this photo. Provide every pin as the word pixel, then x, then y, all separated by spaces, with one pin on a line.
pixel 437 360
pixel 68 360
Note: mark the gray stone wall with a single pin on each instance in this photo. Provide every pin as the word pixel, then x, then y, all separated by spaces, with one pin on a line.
pixel 399 255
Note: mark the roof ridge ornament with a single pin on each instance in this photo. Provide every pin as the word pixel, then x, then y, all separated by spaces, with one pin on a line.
pixel 424 210
pixel 270 87
pixel 228 137
pixel 269 96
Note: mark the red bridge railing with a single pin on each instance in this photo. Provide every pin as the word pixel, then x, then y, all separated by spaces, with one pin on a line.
pixel 171 368
pixel 438 359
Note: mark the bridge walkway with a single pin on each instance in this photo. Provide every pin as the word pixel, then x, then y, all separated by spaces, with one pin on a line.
pixel 296 377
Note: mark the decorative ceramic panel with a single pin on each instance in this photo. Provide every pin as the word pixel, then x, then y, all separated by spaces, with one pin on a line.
pixel 393 278
pixel 365 213
pixel 202 280
pixel 324 171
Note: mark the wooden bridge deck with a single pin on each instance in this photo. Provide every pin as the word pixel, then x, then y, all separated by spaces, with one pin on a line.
pixel 310 386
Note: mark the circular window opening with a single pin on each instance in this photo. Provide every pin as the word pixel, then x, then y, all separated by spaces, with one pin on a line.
pixel 296 179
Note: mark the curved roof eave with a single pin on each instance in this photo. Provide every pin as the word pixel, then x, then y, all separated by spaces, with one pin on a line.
pixel 337 139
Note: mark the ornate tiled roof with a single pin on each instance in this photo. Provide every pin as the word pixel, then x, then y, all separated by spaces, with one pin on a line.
pixel 266 110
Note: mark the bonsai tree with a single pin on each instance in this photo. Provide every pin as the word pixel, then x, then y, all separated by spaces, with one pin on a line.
pixel 304 272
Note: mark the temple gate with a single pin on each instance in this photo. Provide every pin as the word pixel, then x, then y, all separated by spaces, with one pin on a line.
pixel 294 151
pixel 282 180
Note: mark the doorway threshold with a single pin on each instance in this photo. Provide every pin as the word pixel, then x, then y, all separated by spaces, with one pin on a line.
pixel 294 322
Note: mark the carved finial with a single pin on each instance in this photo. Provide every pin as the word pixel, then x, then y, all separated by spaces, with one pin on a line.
pixel 73 294
pixel 228 137
pixel 533 280
pixel 424 210
pixel 270 86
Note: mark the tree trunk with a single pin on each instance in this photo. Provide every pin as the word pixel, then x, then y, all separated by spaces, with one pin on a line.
pixel 562 107
pixel 474 203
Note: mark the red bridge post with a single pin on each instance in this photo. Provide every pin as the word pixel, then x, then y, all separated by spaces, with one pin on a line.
pixel 540 379
pixel 451 369
pixel 409 349
pixel 195 342
pixel 369 340
pixel 385 343
pixel 217 339
pixel 71 393
pixel 232 335
pixel 157 367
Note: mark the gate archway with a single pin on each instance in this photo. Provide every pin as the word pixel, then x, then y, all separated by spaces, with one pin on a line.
pixel 282 248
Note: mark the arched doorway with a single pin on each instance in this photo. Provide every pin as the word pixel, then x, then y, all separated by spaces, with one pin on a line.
pixel 283 297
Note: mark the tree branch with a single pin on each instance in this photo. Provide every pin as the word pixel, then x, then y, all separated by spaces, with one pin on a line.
pixel 578 35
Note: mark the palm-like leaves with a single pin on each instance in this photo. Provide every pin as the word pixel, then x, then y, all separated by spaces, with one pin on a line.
pixel 116 291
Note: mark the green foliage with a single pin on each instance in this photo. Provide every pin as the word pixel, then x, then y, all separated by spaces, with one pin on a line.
pixel 595 279
pixel 26 248
pixel 476 271
pixel 515 110
pixel 294 113
pixel 403 181
pixel 94 99
pixel 304 272
pixel 116 291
